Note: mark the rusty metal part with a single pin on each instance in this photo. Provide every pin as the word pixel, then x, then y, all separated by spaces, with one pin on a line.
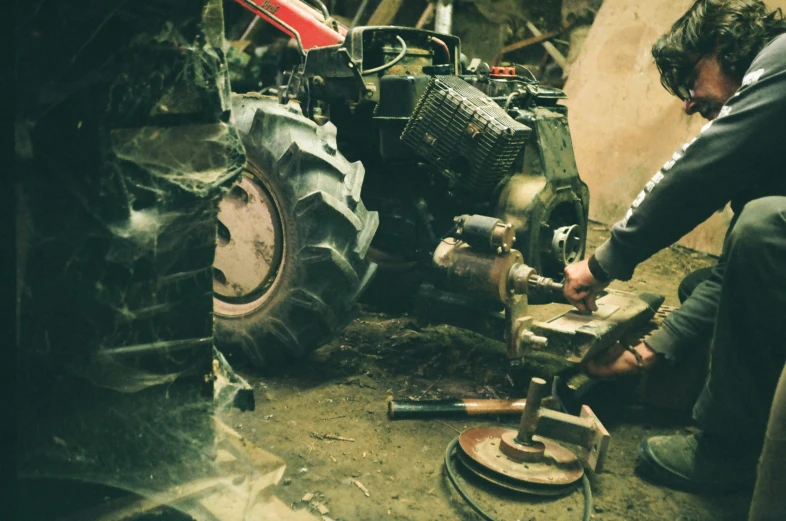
pixel 580 337
pixel 511 447
pixel 573 386
pixel 519 277
pixel 475 273
pixel 566 244
pixel 585 431
pixel 513 485
pixel 249 228
pixel 557 466
pixel 487 233
pixel 531 413
pixel 524 278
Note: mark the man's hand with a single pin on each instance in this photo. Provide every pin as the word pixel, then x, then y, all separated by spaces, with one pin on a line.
pixel 618 361
pixel 580 287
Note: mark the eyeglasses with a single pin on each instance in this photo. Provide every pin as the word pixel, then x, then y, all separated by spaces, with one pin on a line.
pixel 684 90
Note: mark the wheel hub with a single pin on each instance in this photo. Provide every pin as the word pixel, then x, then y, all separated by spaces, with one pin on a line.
pixel 249 244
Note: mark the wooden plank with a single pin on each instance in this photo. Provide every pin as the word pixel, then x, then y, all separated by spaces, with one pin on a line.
pixel 428 14
pixel 385 12
pixel 522 44
pixel 553 52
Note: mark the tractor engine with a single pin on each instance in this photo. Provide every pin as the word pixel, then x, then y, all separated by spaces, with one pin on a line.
pixel 439 139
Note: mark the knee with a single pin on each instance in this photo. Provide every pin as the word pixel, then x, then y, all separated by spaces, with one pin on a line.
pixel 759 221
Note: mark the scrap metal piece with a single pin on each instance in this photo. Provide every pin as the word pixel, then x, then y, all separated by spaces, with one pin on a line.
pixel 531 413
pixel 581 337
pixel 585 431
pixel 558 466
pixel 514 485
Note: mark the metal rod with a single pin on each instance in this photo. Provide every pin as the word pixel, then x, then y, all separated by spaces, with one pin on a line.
pixel 531 413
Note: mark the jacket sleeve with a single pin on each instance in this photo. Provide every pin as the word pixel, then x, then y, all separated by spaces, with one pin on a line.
pixel 693 322
pixel 721 163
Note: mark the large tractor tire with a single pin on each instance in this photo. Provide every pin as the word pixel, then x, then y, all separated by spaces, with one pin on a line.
pixel 292 236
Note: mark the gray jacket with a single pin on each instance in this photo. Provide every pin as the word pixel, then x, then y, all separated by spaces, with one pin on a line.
pixel 735 158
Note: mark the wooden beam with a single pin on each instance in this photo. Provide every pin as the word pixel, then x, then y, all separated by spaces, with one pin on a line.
pixel 426 17
pixel 523 43
pixel 553 52
pixel 385 12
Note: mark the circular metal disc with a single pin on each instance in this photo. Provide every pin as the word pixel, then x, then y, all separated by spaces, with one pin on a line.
pixel 515 486
pixel 559 467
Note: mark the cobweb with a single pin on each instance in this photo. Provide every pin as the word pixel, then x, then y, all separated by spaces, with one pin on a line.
pixel 125 146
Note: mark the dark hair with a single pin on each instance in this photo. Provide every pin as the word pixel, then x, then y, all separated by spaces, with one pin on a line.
pixel 737 30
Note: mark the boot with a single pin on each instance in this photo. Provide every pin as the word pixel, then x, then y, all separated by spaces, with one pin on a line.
pixel 699 462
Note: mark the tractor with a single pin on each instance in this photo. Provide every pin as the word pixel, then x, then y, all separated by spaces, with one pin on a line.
pixel 387 152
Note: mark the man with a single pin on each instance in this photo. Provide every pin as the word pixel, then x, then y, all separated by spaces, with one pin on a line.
pixel 726 59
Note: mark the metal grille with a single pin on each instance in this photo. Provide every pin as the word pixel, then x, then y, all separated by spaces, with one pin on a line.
pixel 458 128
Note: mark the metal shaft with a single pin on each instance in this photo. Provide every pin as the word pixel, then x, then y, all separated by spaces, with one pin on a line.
pixel 531 413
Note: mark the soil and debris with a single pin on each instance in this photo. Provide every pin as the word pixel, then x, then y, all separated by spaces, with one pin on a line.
pixel 326 417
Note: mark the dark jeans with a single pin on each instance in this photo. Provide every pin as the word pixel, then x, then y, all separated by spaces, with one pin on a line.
pixel 748 349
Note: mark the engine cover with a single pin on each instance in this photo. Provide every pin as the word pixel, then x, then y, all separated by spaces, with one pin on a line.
pixel 467 135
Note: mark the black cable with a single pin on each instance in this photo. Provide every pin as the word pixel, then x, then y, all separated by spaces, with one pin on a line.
pixel 450 467
pixel 585 487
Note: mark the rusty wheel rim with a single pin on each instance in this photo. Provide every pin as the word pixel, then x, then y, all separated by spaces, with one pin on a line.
pixel 249 247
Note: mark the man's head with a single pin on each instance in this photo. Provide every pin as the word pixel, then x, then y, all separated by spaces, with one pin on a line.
pixel 704 56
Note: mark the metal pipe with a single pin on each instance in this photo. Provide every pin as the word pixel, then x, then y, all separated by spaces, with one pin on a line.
pixel 443 17
pixel 769 500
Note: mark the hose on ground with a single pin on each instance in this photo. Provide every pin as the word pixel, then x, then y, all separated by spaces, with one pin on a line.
pixel 450 467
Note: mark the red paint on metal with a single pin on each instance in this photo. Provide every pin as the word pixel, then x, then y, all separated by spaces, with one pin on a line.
pixel 502 72
pixel 297 20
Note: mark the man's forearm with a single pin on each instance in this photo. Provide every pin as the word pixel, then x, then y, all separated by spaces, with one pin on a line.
pixel 692 323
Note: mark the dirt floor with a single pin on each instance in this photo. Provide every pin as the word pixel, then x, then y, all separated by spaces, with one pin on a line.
pixel 342 390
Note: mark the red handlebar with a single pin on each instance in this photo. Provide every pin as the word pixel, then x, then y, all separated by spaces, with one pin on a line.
pixel 297 20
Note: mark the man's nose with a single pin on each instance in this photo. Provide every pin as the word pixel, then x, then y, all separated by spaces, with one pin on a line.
pixel 690 106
